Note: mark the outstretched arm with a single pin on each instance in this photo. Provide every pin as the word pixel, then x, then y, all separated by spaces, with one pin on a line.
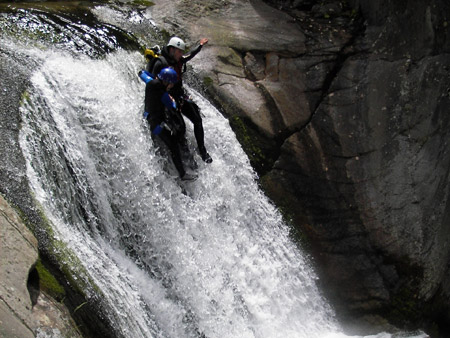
pixel 189 56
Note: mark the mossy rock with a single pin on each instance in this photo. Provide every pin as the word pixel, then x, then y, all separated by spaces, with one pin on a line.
pixel 48 283
pixel 261 151
pixel 144 3
pixel 207 81
pixel 288 205
pixel 63 276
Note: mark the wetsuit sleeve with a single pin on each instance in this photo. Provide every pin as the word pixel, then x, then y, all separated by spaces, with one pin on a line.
pixel 189 56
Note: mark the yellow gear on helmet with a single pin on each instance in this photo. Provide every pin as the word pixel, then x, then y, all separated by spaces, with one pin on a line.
pixel 149 54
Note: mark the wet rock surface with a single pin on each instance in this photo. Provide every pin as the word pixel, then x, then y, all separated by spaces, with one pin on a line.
pixel 20 315
pixel 353 99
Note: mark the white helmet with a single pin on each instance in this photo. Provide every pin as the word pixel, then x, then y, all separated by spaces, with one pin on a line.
pixel 177 43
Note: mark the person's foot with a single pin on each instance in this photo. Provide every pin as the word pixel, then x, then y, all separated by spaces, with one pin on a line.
pixel 205 157
pixel 189 177
pixel 192 163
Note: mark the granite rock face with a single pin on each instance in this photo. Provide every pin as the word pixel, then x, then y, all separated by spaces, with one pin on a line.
pixel 353 98
pixel 24 310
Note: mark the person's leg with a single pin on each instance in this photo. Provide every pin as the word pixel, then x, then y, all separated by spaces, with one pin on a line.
pixel 172 144
pixel 192 112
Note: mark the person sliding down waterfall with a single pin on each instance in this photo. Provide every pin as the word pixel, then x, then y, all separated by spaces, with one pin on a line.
pixel 173 56
pixel 166 122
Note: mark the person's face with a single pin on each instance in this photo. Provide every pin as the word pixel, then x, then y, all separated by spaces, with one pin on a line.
pixel 168 85
pixel 177 54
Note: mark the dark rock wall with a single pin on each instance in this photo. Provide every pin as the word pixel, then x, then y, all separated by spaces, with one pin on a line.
pixel 371 169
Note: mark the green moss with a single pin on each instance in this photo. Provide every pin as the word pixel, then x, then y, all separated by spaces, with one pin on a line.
pixel 249 140
pixel 34 36
pixel 25 98
pixel 62 269
pixel 143 3
pixel 207 81
pixel 165 35
pixel 48 283
pixel 260 151
pixel 23 217
pixel 67 261
pixel 61 274
pixel 231 57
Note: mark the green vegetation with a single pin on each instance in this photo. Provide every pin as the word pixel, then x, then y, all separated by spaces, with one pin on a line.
pixel 248 138
pixel 79 307
pixel 68 263
pixel 165 35
pixel 143 3
pixel 354 13
pixel 48 283
pixel 207 81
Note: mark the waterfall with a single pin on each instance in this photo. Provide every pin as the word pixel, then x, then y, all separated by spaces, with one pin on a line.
pixel 211 255
pixel 210 258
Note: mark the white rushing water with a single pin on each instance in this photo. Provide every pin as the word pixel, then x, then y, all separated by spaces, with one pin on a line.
pixel 210 257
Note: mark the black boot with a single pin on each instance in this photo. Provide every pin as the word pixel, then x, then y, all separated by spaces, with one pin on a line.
pixel 205 156
pixel 189 177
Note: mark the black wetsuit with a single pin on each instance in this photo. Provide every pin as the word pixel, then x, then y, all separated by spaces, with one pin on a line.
pixel 187 106
pixel 157 114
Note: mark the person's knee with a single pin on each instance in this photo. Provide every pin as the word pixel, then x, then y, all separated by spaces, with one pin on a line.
pixel 192 112
pixel 196 119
